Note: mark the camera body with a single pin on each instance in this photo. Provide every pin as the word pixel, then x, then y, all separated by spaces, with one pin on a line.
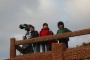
pixel 25 26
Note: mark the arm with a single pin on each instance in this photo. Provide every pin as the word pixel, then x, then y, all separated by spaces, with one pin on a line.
pixel 51 33
pixel 57 32
pixel 40 34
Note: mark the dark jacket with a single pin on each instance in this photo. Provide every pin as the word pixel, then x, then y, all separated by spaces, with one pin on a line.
pixel 28 48
pixel 34 34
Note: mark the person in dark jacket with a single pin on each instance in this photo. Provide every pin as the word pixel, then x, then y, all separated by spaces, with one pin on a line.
pixel 45 31
pixel 29 47
pixel 63 30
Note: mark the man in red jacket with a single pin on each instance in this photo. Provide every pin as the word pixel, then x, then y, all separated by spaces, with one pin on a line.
pixel 45 31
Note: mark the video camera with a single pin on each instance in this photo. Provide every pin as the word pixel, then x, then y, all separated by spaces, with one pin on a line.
pixel 25 26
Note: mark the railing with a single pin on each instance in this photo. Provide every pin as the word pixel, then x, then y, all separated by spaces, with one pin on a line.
pixel 58 52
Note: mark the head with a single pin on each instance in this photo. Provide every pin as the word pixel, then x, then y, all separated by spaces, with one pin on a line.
pixel 45 25
pixel 60 25
pixel 31 28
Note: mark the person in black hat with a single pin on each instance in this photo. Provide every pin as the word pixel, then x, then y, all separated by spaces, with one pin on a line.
pixel 29 47
pixel 61 30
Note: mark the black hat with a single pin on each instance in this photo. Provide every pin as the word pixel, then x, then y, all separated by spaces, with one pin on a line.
pixel 31 26
pixel 45 24
pixel 60 23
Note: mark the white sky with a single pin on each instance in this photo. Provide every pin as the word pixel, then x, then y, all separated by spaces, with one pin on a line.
pixel 74 13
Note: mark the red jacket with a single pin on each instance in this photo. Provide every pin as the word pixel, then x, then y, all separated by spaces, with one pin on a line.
pixel 46 32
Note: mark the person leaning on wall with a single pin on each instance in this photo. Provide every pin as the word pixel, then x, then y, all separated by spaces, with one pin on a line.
pixel 45 31
pixel 28 48
pixel 61 30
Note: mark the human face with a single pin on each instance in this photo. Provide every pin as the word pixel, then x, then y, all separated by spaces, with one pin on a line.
pixel 61 26
pixel 45 26
pixel 31 29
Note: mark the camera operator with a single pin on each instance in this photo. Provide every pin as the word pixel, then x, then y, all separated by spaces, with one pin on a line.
pixel 28 48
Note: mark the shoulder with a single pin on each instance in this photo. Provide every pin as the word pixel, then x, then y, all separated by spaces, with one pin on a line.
pixel 41 30
pixel 35 31
pixel 67 30
pixel 51 32
pixel 58 31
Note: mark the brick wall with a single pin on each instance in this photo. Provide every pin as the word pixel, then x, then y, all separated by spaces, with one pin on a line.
pixel 35 56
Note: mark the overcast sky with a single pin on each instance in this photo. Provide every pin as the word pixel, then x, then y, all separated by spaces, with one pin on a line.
pixel 74 13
